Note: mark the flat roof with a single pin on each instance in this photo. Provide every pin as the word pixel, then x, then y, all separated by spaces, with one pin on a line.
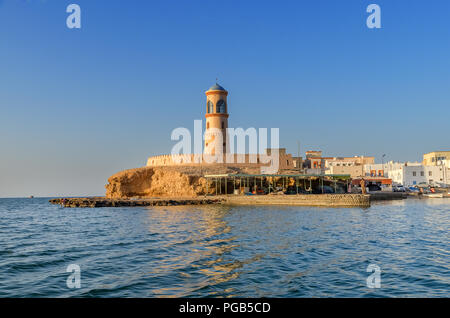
pixel 436 151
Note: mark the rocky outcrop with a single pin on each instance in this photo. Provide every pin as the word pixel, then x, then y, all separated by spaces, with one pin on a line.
pixel 173 181
pixel 154 182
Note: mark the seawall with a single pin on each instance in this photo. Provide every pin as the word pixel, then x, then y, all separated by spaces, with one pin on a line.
pixel 324 200
pixel 106 202
pixel 383 196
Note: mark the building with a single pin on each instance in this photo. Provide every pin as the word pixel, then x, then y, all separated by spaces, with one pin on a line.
pixel 350 168
pixel 216 132
pixel 354 166
pixel 435 158
pixel 298 162
pixel 415 175
pixel 409 173
pixel 382 170
pixel 216 119
pixel 313 154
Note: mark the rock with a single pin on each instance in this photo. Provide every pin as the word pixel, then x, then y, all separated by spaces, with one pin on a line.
pixel 155 182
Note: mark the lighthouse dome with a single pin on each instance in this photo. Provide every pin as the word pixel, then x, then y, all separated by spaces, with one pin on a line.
pixel 216 87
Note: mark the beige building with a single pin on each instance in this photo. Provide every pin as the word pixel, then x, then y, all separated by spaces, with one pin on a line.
pixel 435 158
pixel 353 170
pixel 216 132
pixel 354 166
pixel 216 119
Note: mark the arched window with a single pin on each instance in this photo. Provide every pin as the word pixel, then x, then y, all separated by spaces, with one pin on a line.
pixel 210 107
pixel 223 125
pixel 220 106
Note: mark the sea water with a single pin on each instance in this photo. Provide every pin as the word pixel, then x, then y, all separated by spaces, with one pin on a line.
pixel 221 251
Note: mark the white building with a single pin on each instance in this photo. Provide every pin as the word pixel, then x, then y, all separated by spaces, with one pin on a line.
pixel 415 175
pixel 382 170
pixel 410 173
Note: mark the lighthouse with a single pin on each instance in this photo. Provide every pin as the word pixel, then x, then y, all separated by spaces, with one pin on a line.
pixel 216 120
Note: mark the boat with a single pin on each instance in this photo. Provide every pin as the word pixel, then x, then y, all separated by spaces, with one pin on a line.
pixel 434 195
pixel 31 196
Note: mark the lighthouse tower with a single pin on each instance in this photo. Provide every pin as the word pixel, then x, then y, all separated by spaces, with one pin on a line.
pixel 216 120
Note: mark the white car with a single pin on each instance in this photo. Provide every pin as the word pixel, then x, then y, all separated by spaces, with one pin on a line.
pixel 399 188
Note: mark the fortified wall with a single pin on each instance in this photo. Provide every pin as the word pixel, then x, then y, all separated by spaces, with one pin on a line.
pixel 285 160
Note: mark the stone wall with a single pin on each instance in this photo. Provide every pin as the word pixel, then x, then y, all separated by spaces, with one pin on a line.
pixel 325 200
pixel 285 160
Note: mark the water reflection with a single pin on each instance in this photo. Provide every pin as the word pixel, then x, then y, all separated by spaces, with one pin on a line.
pixel 201 236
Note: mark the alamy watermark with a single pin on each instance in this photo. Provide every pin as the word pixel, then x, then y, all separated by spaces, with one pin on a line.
pixel 73 21
pixel 374 279
pixel 373 21
pixel 227 148
pixel 74 279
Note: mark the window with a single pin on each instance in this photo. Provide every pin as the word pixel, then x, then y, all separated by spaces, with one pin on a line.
pixel 209 107
pixel 430 173
pixel 422 173
pixel 414 173
pixel 207 125
pixel 220 107
pixel 223 125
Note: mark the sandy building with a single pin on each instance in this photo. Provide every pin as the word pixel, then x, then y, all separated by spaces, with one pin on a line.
pixel 435 158
pixel 353 166
pixel 216 139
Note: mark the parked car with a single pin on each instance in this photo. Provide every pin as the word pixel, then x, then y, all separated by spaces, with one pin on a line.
pixel 374 187
pixel 398 188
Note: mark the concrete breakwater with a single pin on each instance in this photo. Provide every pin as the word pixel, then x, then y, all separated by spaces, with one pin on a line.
pixel 325 200
pixel 382 196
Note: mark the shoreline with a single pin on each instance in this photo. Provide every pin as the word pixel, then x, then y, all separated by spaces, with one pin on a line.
pixel 313 200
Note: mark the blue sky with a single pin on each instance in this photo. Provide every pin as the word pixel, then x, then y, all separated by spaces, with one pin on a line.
pixel 77 106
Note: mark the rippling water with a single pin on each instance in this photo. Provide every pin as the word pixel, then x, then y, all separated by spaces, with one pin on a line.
pixel 225 251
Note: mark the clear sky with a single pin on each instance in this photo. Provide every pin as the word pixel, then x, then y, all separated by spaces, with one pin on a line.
pixel 76 106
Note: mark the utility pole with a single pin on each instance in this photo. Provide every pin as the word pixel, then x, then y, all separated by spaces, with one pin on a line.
pixel 298 156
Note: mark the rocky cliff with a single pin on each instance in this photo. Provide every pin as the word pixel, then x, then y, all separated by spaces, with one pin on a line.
pixel 182 181
pixel 154 182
